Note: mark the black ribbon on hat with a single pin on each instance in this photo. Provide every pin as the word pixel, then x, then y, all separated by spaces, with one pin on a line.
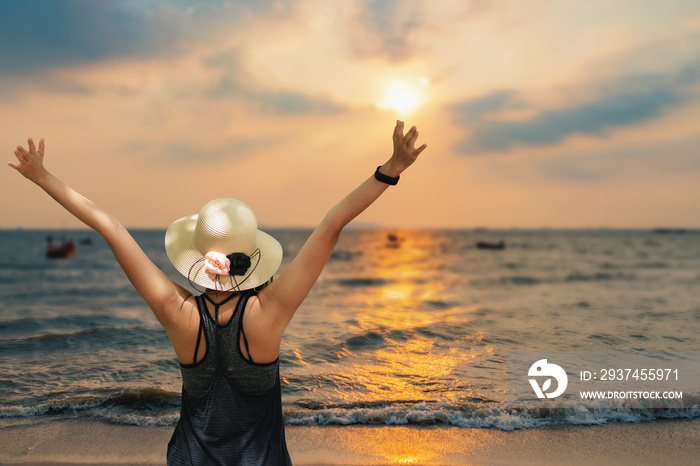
pixel 240 263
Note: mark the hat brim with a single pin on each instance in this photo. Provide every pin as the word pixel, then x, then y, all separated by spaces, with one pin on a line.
pixel 187 259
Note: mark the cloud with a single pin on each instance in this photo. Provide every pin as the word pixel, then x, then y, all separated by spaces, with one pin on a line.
pixel 641 159
pixel 475 108
pixel 293 103
pixel 273 102
pixel 380 29
pixel 201 150
pixel 392 29
pixel 625 102
pixel 230 148
pixel 11 84
pixel 40 34
pixel 237 82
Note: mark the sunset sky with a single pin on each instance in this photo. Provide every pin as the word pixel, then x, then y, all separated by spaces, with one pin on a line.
pixel 578 113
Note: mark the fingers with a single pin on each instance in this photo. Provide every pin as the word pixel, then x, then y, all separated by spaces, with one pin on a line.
pixel 412 136
pixel 24 156
pixel 405 143
pixel 21 160
pixel 42 146
pixel 398 131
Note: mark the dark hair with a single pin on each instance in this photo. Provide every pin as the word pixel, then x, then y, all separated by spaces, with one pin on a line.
pixel 259 288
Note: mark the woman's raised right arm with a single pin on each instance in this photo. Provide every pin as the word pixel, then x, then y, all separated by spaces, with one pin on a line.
pixel 280 299
pixel 162 295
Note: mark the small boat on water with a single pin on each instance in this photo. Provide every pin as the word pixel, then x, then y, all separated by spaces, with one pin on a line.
pixel 66 248
pixel 393 240
pixel 489 245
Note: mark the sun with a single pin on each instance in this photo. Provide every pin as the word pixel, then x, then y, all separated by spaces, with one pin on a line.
pixel 401 97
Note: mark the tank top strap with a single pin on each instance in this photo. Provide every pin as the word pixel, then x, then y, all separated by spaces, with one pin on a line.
pixel 205 326
pixel 241 331
pixel 199 331
pixel 215 331
pixel 205 296
pixel 236 331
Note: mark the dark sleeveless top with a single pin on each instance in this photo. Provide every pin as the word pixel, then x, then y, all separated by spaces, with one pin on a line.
pixel 231 410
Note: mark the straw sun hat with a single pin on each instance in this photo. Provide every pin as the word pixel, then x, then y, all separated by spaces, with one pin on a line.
pixel 221 248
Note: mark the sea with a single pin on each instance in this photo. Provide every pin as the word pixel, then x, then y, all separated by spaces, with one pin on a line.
pixel 403 327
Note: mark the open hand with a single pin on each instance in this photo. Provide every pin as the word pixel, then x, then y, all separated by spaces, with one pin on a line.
pixel 405 152
pixel 31 162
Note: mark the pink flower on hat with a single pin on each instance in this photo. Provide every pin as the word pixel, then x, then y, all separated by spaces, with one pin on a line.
pixel 217 263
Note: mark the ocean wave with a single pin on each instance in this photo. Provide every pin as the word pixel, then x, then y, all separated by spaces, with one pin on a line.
pixel 440 304
pixel 159 407
pixel 502 416
pixel 520 280
pixel 598 276
pixel 362 282
pixel 527 280
pixel 344 255
pixel 57 339
pixel 61 324
pixel 366 340
pixel 117 403
pixel 382 337
pixel 652 265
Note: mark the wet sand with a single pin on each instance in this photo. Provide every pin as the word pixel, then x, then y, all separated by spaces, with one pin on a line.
pixel 658 443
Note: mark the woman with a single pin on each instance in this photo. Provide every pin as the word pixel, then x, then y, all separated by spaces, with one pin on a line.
pixel 228 338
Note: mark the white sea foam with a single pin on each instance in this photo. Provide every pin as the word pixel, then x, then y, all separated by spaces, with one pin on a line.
pixel 501 416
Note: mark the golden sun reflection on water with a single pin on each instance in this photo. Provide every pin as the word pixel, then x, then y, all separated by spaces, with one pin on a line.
pixel 402 314
pixel 400 369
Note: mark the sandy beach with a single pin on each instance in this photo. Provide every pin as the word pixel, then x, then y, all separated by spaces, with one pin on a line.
pixel 658 443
